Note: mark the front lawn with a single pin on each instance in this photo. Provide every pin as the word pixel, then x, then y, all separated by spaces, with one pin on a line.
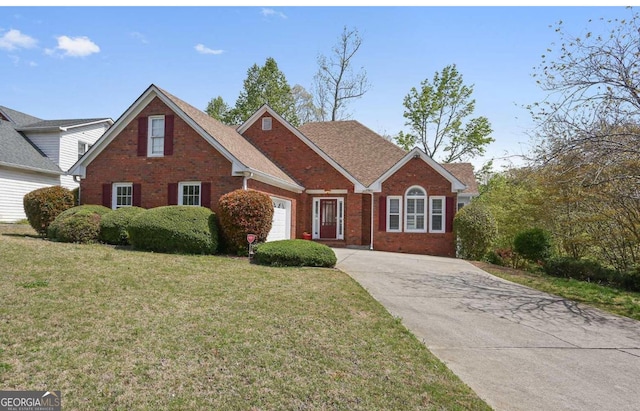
pixel 120 330
pixel 625 303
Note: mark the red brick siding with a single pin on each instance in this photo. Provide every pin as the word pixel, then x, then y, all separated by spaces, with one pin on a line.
pixel 415 172
pixel 292 155
pixel 303 164
pixel 193 159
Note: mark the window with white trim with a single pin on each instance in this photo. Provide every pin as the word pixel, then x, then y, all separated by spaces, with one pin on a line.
pixel 122 195
pixel 266 123
pixel 394 213
pixel 82 148
pixel 415 210
pixel 156 136
pixel 436 214
pixel 189 193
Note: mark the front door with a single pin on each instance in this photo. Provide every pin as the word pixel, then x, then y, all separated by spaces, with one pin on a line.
pixel 328 218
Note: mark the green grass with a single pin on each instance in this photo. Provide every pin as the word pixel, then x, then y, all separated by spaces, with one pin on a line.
pixel 120 330
pixel 625 303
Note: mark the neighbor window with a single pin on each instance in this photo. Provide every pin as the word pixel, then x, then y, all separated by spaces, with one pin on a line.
pixel 266 123
pixel 415 210
pixel 189 193
pixel 394 213
pixel 82 148
pixel 436 214
pixel 122 194
pixel 156 136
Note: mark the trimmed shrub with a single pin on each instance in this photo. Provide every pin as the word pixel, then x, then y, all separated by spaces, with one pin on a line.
pixel 43 205
pixel 243 212
pixel 584 270
pixel 79 224
pixel 476 230
pixel 294 253
pixel 175 229
pixel 76 196
pixel 533 244
pixel 114 225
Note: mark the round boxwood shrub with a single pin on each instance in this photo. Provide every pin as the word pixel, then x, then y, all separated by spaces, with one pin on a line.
pixel 243 212
pixel 533 244
pixel 79 224
pixel 43 205
pixel 114 225
pixel 175 229
pixel 295 253
pixel 476 230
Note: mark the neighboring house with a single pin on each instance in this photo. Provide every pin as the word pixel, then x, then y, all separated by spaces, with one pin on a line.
pixel 36 153
pixel 339 181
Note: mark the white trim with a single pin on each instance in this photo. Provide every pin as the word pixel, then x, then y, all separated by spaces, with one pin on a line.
pixel 357 186
pixel 106 120
pixel 182 185
pixel 150 135
pixel 444 214
pixel 416 153
pixel 114 195
pixel 315 218
pixel 332 191
pixel 415 213
pixel 399 229
pixel 267 123
pixel 35 169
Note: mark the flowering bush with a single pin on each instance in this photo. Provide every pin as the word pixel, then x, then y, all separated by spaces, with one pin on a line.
pixel 243 212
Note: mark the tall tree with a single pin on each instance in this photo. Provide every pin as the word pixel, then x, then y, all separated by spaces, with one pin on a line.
pixel 264 85
pixel 336 83
pixel 306 110
pixel 217 108
pixel 436 113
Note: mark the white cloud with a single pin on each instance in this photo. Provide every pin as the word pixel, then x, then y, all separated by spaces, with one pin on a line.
pixel 14 39
pixel 74 47
pixel 139 36
pixel 202 49
pixel 271 12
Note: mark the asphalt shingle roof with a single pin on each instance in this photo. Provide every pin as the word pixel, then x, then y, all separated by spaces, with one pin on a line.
pixel 464 172
pixel 47 124
pixel 18 118
pixel 367 155
pixel 361 152
pixel 16 150
pixel 231 140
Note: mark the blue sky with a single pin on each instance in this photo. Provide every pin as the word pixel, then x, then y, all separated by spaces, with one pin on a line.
pixel 79 62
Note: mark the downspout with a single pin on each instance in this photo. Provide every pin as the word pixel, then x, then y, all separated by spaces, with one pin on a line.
pixel 77 180
pixel 247 176
pixel 371 245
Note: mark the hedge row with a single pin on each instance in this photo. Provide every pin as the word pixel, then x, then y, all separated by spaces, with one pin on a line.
pixel 592 271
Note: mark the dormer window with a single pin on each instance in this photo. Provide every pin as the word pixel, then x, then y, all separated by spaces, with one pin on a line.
pixel 82 148
pixel 155 142
pixel 266 123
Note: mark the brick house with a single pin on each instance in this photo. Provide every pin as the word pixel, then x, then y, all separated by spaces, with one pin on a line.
pixel 338 181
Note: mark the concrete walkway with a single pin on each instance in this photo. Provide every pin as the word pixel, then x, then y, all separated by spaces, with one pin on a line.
pixel 517 348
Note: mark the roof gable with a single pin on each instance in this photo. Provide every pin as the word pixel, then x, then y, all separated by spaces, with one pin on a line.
pixel 464 172
pixel 18 118
pixel 358 185
pixel 245 158
pixel 363 153
pixel 456 184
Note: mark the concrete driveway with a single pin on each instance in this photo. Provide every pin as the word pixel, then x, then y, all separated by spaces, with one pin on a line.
pixel 517 348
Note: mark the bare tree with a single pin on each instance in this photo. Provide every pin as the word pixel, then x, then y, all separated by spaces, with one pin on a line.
pixel 335 82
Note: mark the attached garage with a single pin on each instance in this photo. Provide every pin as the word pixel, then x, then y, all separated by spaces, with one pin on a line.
pixel 281 223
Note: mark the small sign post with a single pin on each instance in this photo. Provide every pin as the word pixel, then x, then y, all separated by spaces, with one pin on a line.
pixel 250 239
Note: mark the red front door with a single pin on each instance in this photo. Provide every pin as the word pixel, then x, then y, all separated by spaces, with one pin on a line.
pixel 328 218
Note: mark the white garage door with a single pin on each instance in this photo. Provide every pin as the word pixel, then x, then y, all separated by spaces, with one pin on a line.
pixel 281 223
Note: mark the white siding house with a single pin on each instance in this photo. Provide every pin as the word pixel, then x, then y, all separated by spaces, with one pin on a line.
pixel 36 153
